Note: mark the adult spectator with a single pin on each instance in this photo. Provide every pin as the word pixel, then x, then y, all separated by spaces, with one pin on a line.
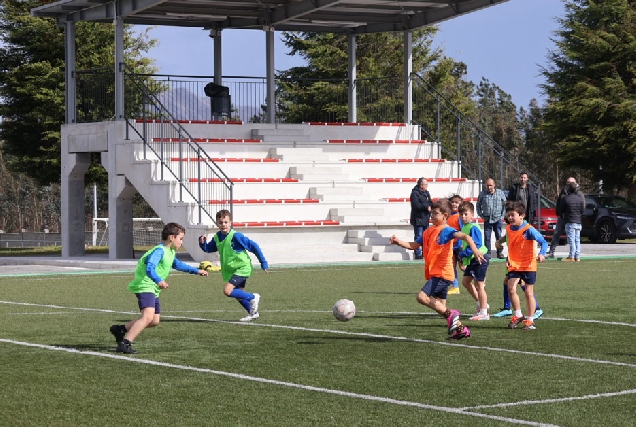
pixel 560 225
pixel 570 208
pixel 491 207
pixel 523 192
pixel 420 211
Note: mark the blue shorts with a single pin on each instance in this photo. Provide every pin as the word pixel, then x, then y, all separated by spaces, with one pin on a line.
pixel 476 270
pixel 529 277
pixel 437 287
pixel 238 281
pixel 148 299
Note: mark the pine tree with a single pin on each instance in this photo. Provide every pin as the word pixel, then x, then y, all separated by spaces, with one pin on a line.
pixel 32 83
pixel 591 88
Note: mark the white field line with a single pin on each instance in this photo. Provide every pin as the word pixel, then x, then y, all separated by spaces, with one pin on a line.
pixel 401 313
pixel 281 383
pixel 563 399
pixel 358 334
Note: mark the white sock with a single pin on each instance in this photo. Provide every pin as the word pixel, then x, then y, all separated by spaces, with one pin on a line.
pixel 483 311
pixel 518 313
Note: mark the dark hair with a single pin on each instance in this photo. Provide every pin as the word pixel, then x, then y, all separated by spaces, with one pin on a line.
pixel 222 214
pixel 171 229
pixel 455 197
pixel 571 187
pixel 466 207
pixel 421 180
pixel 443 205
pixel 518 207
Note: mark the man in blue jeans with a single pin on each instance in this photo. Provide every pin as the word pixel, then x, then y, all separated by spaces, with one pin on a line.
pixel 420 211
pixel 491 207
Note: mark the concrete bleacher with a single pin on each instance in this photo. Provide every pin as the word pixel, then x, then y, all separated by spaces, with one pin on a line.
pixel 329 192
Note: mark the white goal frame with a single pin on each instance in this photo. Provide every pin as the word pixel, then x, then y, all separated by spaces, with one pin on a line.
pixel 145 231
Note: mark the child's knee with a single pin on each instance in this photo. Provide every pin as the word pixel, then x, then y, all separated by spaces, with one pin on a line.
pixel 422 298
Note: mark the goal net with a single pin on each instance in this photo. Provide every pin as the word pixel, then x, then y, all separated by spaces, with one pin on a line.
pixel 146 231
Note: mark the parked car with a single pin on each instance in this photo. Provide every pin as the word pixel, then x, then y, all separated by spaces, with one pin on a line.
pixel 547 211
pixel 607 218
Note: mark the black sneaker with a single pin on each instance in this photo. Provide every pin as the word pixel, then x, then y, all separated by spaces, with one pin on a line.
pixel 119 331
pixel 125 347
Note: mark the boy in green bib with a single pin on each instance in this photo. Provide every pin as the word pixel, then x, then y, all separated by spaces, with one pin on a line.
pixel 150 278
pixel 236 265
pixel 474 271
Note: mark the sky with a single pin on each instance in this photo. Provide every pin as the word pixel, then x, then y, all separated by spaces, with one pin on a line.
pixel 505 43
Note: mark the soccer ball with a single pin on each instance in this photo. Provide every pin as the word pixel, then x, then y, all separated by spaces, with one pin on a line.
pixel 344 310
pixel 208 266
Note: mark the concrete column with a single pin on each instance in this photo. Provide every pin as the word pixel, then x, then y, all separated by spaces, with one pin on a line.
pixel 353 75
pixel 271 84
pixel 408 81
pixel 119 66
pixel 120 195
pixel 69 72
pixel 74 167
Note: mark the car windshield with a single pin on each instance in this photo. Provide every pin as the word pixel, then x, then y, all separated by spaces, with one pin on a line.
pixel 614 202
pixel 547 203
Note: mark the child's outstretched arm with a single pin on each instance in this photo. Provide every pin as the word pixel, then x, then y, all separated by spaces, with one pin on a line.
pixel 471 244
pixel 406 245
pixel 207 246
pixel 252 246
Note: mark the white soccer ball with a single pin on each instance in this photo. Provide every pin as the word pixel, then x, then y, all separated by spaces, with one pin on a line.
pixel 344 310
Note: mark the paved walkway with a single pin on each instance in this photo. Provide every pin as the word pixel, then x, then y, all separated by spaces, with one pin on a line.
pixel 93 262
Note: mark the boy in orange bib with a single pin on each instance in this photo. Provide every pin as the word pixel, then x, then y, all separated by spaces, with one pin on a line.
pixel 437 243
pixel 522 262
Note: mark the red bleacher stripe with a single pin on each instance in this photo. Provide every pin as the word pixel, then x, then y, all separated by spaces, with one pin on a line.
pixel 285 223
pixel 204 122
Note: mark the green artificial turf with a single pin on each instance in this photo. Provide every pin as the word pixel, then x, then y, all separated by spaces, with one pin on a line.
pixel 297 365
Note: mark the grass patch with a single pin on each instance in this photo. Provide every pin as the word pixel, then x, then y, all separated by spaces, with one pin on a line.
pixel 297 365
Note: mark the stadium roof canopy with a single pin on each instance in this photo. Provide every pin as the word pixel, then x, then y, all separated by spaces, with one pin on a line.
pixel 330 16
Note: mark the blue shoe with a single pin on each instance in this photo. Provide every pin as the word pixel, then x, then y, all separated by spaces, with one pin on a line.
pixel 504 312
pixel 538 313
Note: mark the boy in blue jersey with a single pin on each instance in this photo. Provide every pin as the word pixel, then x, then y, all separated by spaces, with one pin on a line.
pixel 236 265
pixel 150 278
pixel 474 271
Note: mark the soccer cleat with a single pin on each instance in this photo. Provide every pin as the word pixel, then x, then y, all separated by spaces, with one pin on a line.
pixel 550 254
pixel 504 312
pixel 254 304
pixel 461 332
pixel 537 313
pixel 480 317
pixel 453 321
pixel 119 331
pixel 453 291
pixel 528 324
pixel 249 317
pixel 125 347
pixel 478 307
pixel 515 321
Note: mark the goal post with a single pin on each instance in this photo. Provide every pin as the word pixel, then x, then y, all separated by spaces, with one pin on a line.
pixel 146 231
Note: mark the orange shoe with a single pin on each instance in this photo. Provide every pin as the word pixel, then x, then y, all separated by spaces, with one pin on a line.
pixel 528 324
pixel 515 321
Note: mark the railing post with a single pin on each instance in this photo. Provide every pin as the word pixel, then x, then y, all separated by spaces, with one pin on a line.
pixel 459 148
pixel 180 166
pixel 200 198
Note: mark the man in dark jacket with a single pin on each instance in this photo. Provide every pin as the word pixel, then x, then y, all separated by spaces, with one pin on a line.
pixel 570 208
pixel 420 211
pixel 523 192
pixel 560 225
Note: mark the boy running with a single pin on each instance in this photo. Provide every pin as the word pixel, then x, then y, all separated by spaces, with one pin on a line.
pixel 236 264
pixel 150 278
pixel 522 262
pixel 437 244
